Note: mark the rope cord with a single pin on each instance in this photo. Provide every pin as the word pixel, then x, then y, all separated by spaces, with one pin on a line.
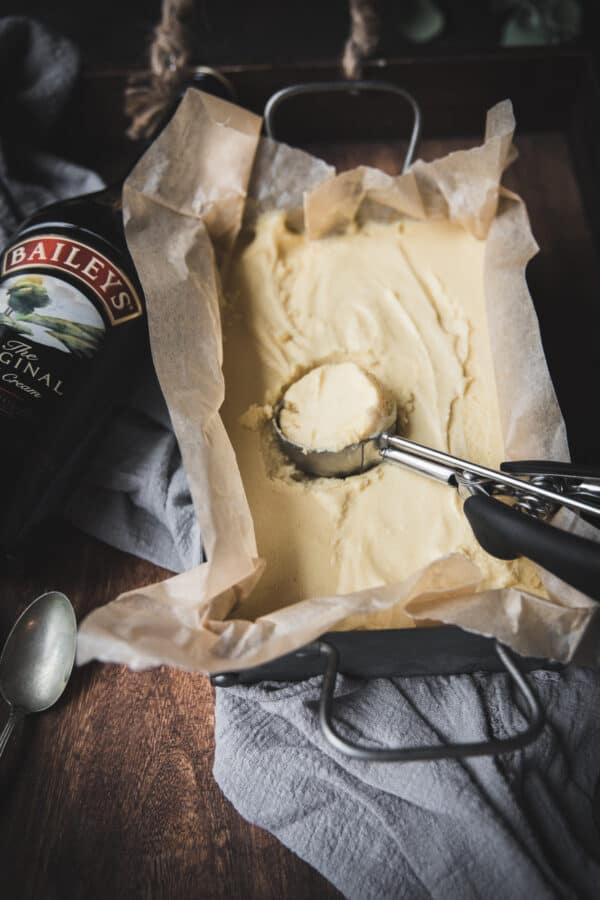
pixel 363 38
pixel 149 96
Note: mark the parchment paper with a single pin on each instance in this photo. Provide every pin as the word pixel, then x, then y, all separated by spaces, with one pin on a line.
pixel 184 204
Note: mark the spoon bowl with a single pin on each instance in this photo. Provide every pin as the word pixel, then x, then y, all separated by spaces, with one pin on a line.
pixel 37 658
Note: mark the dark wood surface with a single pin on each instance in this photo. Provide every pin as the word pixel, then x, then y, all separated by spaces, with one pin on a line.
pixel 110 794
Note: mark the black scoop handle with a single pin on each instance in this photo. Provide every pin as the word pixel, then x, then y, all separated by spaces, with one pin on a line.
pixel 506 532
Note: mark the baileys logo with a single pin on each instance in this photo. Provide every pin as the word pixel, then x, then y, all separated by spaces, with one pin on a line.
pixel 111 286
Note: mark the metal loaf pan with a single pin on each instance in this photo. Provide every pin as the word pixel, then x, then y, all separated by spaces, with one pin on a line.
pixel 560 140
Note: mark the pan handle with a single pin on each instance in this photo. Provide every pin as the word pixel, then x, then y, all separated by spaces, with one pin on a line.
pixel 535 721
pixel 348 87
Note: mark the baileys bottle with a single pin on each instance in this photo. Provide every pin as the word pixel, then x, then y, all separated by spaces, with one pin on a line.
pixel 73 334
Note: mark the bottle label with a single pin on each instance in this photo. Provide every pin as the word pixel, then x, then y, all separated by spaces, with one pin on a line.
pixel 59 299
pixel 50 251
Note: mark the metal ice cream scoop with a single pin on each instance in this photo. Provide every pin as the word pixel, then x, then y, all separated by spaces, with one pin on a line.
pixel 537 488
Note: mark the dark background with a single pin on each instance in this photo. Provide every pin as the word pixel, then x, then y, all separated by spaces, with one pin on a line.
pixel 271 31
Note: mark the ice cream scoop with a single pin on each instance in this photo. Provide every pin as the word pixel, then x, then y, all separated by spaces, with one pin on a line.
pixel 537 489
pixel 334 406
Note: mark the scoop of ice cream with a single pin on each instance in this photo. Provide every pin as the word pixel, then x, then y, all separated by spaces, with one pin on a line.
pixel 333 406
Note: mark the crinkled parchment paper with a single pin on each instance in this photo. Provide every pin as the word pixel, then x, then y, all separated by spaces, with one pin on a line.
pixel 184 203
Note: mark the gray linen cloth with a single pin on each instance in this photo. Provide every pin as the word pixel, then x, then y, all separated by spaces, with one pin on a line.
pixel 518 826
pixel 134 495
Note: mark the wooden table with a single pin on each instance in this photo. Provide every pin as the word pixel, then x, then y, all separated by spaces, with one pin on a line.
pixel 110 794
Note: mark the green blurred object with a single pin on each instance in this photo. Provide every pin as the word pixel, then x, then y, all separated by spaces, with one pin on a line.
pixel 26 294
pixel 541 22
pixel 420 20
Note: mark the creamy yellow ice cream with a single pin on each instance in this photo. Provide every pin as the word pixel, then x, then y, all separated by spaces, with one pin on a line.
pixel 404 302
pixel 333 406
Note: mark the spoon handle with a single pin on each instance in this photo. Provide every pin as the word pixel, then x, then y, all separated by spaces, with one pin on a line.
pixel 8 729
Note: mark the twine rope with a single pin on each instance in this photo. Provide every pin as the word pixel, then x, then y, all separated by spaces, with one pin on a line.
pixel 364 36
pixel 149 96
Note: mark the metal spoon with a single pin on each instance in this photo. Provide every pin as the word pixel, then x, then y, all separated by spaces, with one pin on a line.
pixel 37 658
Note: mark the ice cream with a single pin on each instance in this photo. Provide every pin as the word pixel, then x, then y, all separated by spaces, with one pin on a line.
pixel 333 406
pixel 404 302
